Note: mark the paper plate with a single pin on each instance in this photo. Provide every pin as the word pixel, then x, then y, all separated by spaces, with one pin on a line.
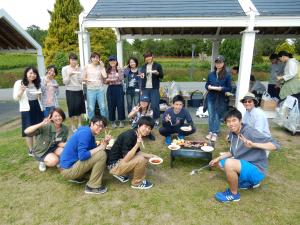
pixel 174 147
pixel 207 148
pixel 186 128
pixel 156 160
pixel 35 92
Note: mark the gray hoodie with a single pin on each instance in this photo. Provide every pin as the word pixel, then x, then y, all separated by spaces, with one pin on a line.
pixel 255 156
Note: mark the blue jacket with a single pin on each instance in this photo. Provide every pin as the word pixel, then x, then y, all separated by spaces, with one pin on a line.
pixel 78 147
pixel 214 81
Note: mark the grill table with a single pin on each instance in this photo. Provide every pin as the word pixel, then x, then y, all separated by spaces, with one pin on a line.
pixel 189 153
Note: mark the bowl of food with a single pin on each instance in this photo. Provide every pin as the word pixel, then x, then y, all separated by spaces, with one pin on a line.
pixel 110 143
pixel 174 147
pixel 156 160
pixel 207 148
pixel 186 128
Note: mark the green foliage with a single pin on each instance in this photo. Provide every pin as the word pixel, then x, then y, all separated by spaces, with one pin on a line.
pixel 103 41
pixel 61 34
pixel 60 60
pixel 297 46
pixel 285 46
pixel 230 49
pixel 266 46
pixel 38 34
pixel 258 59
pixel 11 61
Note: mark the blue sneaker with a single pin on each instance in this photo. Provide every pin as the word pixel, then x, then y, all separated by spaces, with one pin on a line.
pixel 181 136
pixel 168 140
pixel 121 178
pixel 143 185
pixel 227 196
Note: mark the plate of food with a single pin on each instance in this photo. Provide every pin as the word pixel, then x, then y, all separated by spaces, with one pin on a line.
pixel 186 128
pixel 156 160
pixel 174 147
pixel 35 92
pixel 207 148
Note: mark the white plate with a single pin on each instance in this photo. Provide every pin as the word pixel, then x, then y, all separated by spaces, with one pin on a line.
pixel 35 92
pixel 76 72
pixel 158 159
pixel 186 128
pixel 207 148
pixel 174 147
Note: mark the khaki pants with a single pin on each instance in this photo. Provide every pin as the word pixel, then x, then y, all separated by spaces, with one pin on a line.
pixel 137 165
pixel 96 164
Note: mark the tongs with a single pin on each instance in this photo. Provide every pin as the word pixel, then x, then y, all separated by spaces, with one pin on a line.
pixel 195 171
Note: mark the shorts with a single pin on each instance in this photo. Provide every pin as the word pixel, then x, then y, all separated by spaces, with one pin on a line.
pixel 51 149
pixel 250 175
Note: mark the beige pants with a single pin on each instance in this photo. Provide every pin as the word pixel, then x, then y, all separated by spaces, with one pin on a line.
pixel 95 164
pixel 137 165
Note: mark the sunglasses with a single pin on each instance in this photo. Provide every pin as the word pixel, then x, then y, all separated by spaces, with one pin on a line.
pixel 247 101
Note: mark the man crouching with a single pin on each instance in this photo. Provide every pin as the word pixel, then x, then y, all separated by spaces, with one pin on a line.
pixel 125 155
pixel 249 164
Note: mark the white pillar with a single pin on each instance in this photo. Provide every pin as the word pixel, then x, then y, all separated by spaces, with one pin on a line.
pixel 84 47
pixel 41 62
pixel 246 56
pixel 214 53
pixel 119 47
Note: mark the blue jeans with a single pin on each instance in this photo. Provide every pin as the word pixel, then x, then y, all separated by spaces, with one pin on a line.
pixel 216 110
pixel 132 100
pixel 153 95
pixel 47 110
pixel 93 96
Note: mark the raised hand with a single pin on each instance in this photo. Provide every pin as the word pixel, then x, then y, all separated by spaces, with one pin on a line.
pixel 247 142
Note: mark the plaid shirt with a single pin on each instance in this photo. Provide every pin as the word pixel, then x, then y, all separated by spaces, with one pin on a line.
pixel 114 78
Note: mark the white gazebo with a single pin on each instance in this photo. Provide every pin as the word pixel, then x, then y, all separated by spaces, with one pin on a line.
pixel 13 38
pixel 216 20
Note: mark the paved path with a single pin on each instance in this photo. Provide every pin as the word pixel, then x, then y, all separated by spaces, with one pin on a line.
pixel 9 110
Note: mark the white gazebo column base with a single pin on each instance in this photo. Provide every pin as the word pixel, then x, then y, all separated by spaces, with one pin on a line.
pixel 246 56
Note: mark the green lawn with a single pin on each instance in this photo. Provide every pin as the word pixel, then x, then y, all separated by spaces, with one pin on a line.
pixel 28 196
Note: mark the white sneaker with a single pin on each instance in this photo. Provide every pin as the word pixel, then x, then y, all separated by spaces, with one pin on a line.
pixel 121 125
pixel 114 125
pixel 208 137
pixel 42 167
pixel 214 137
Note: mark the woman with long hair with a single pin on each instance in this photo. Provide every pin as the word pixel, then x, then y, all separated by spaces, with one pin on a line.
pixel 140 110
pixel 218 83
pixel 51 136
pixel 72 78
pixel 28 92
pixel 132 82
pixel 115 93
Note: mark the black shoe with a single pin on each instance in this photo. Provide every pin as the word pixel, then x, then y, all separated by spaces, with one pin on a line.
pixel 151 137
pixel 95 191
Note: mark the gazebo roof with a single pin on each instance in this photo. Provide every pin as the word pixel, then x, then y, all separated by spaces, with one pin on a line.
pixel 178 18
pixel 13 36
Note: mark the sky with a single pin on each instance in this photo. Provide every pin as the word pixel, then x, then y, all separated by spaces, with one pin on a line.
pixel 29 12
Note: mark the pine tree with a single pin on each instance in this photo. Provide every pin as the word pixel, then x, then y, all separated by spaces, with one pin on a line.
pixel 61 33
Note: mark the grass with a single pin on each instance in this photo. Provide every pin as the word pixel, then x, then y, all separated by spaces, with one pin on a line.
pixel 30 197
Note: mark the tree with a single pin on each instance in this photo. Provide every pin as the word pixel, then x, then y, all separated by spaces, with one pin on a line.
pixel 266 46
pixel 230 49
pixel 297 46
pixel 61 35
pixel 38 34
pixel 285 46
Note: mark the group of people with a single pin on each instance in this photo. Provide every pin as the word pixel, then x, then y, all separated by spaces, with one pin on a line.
pixel 249 137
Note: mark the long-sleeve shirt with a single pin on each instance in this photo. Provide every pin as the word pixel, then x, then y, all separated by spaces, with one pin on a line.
pixel 290 69
pixel 50 93
pixel 257 119
pixel 177 119
pixel 78 147
pixel 114 77
pixel 71 78
pixel 275 71
pixel 95 76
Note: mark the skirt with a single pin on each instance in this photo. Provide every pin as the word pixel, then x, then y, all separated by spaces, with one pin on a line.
pixel 75 102
pixel 33 116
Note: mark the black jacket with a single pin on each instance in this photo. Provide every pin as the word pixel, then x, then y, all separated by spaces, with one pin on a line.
pixel 155 78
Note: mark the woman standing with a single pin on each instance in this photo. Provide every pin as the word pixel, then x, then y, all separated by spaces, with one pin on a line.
pixel 291 85
pixel 218 83
pixel 28 92
pixel 49 90
pixel 132 81
pixel 72 78
pixel 115 93
pixel 93 75
pixel 51 136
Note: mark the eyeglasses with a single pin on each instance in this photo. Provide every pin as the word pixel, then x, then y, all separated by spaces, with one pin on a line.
pixel 247 101
pixel 99 125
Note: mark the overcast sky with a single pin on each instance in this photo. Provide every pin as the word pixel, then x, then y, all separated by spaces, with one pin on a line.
pixel 29 12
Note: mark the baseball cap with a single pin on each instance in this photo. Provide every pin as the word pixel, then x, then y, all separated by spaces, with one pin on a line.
pixel 220 58
pixel 112 58
pixel 144 98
